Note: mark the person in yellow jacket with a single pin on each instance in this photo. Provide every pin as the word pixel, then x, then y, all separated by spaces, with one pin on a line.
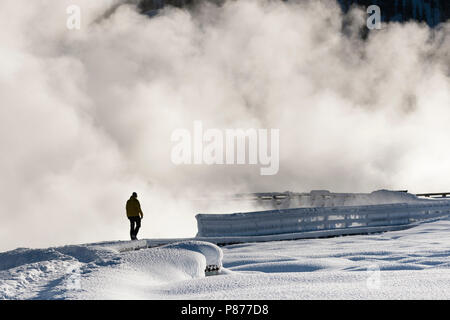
pixel 134 214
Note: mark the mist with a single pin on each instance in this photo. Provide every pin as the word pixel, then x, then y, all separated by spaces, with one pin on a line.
pixel 87 115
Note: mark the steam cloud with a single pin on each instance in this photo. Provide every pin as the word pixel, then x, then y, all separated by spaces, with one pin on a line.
pixel 86 115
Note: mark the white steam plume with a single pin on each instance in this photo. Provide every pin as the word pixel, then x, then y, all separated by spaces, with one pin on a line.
pixel 86 115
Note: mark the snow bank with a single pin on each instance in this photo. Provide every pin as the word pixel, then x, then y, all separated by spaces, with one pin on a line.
pixel 24 256
pixel 142 270
pixel 48 273
pixel 408 264
pixel 110 270
pixel 167 264
pixel 212 253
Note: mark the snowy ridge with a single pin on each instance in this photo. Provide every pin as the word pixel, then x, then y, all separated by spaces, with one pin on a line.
pixel 57 273
pixel 47 273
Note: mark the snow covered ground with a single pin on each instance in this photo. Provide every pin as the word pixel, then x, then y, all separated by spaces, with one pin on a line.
pixel 407 264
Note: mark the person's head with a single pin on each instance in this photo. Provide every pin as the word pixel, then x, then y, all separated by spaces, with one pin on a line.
pixel 134 195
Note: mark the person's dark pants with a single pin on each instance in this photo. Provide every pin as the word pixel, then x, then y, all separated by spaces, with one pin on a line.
pixel 135 224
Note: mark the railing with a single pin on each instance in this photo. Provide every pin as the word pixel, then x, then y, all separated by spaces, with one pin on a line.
pixel 299 220
pixel 434 195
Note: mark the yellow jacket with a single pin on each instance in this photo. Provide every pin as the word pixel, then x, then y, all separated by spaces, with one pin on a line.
pixel 134 208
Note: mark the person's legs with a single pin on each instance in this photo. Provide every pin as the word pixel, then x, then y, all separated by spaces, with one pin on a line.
pixel 138 225
pixel 132 228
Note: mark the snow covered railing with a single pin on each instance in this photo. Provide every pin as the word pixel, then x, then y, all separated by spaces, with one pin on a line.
pixel 298 220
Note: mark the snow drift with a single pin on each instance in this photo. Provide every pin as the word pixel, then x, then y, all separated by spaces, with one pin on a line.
pixel 348 109
pixel 124 269
pixel 407 264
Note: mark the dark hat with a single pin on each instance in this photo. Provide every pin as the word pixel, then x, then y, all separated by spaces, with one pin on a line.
pixel 134 194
